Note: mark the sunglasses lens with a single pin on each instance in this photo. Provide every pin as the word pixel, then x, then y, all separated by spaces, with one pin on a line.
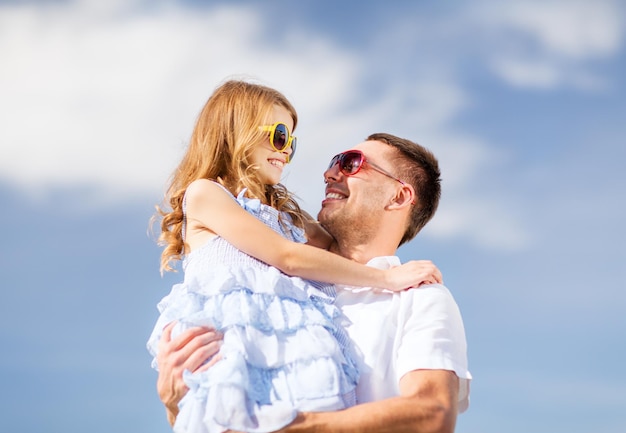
pixel 294 145
pixel 350 162
pixel 281 135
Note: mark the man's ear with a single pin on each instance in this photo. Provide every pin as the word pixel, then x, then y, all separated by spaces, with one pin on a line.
pixel 404 197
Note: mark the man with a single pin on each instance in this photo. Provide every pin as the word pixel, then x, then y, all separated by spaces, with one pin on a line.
pixel 411 345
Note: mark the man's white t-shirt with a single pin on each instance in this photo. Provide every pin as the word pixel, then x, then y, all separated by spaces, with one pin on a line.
pixel 396 333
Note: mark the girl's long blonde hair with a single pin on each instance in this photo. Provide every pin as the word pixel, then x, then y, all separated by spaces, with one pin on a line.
pixel 226 132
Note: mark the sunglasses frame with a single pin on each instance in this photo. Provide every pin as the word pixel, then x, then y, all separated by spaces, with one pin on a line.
pixel 291 141
pixel 339 160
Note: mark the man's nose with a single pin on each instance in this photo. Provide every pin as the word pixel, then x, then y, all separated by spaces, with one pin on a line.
pixel 332 173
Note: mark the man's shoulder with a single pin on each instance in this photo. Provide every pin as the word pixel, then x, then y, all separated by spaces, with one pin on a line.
pixel 436 291
pixel 427 299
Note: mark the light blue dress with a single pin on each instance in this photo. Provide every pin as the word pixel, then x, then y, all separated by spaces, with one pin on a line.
pixel 284 350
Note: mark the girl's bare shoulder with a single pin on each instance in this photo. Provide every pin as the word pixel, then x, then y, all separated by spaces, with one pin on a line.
pixel 205 189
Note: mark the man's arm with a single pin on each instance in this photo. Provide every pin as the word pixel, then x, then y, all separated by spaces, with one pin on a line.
pixel 427 404
pixel 188 351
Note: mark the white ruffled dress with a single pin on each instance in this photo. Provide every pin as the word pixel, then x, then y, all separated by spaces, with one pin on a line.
pixel 284 350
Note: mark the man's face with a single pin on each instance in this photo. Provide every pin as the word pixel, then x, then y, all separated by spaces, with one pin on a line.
pixel 354 205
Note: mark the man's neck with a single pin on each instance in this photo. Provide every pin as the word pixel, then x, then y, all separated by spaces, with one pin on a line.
pixel 361 253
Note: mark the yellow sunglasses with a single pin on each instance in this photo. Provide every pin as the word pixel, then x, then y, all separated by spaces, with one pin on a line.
pixel 281 139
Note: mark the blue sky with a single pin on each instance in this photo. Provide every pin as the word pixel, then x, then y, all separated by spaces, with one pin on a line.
pixel 522 101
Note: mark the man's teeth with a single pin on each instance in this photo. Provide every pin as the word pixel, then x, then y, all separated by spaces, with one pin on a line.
pixel 277 163
pixel 335 195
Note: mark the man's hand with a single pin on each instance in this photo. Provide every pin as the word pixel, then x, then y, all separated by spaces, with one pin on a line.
pixel 188 351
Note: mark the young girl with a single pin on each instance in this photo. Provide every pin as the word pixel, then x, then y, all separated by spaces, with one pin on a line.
pixel 246 266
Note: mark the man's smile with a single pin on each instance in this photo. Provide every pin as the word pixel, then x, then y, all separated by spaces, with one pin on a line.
pixel 333 194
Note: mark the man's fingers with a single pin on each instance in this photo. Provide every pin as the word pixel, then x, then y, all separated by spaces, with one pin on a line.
pixel 201 354
pixel 166 337
pixel 200 340
pixel 188 335
pixel 189 350
pixel 167 331
pixel 209 364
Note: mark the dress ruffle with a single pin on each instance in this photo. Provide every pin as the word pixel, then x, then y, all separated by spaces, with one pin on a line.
pixel 280 353
pixel 268 214
pixel 283 348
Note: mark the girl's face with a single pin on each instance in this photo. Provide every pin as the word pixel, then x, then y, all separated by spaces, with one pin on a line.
pixel 269 161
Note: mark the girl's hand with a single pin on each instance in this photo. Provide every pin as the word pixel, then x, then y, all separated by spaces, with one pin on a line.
pixel 413 274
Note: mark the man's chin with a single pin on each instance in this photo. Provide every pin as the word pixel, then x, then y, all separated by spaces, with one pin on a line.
pixel 328 217
pixel 324 213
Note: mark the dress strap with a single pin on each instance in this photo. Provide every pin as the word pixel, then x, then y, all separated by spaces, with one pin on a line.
pixel 224 188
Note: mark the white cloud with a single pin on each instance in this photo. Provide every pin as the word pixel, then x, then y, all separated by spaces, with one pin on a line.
pixel 480 222
pixel 576 29
pixel 106 98
pixel 110 98
pixel 550 44
pixel 524 73
pixel 546 74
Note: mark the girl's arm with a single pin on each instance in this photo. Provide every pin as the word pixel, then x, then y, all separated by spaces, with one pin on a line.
pixel 210 207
